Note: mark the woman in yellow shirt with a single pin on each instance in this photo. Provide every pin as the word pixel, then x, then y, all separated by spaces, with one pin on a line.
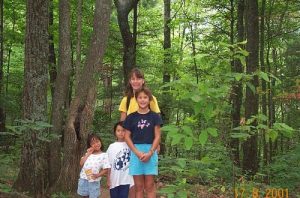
pixel 129 104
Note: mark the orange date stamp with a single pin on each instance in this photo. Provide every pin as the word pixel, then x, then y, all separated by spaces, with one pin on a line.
pixel 260 193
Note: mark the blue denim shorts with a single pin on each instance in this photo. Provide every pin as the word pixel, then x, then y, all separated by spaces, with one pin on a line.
pixel 86 188
pixel 137 167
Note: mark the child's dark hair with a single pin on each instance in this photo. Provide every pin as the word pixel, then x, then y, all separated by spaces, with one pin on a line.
pixel 92 137
pixel 129 91
pixel 146 91
pixel 120 123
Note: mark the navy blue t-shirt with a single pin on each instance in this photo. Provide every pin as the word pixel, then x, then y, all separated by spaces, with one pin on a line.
pixel 142 126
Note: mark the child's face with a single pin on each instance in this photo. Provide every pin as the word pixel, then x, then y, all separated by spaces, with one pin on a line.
pixel 143 100
pixel 96 144
pixel 136 83
pixel 120 133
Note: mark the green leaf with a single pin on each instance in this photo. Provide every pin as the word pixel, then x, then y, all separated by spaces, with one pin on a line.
pixel 176 139
pixel 188 142
pixel 273 135
pixel 181 163
pixel 240 135
pixel 170 127
pixel 196 98
pixel 212 131
pixel 252 88
pixel 182 194
pixel 264 76
pixel 187 130
pixel 203 137
pixel 223 189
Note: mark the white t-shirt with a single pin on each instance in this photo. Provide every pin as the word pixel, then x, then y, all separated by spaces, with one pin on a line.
pixel 119 156
pixel 93 165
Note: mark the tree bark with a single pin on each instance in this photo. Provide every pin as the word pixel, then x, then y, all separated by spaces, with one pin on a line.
pixel 61 89
pixel 237 88
pixel 2 112
pixel 80 115
pixel 78 43
pixel 33 173
pixel 52 57
pixel 250 160
pixel 124 7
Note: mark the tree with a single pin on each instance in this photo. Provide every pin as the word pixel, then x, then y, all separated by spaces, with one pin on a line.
pixel 80 114
pixel 250 160
pixel 2 112
pixel 124 7
pixel 33 169
pixel 61 88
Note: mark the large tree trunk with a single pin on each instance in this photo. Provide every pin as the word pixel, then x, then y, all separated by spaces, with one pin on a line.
pixel 237 89
pixel 124 7
pixel 82 106
pixel 33 173
pixel 61 89
pixel 78 42
pixel 250 160
pixel 2 112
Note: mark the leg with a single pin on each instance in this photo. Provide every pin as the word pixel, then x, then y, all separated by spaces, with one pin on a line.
pixel 150 186
pixel 132 192
pixel 139 181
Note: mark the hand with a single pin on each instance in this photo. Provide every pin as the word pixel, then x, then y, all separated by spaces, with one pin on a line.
pixel 95 175
pixel 90 150
pixel 146 157
pixel 140 155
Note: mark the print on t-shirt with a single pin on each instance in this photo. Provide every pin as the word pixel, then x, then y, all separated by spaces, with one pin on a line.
pixel 122 160
pixel 143 123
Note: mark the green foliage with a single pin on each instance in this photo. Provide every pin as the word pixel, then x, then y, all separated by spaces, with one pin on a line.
pixel 284 171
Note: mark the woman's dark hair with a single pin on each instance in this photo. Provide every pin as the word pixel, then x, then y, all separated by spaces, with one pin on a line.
pixel 92 137
pixel 116 125
pixel 129 91
pixel 146 91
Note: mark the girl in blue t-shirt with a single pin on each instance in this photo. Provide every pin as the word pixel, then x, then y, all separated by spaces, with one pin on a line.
pixel 143 136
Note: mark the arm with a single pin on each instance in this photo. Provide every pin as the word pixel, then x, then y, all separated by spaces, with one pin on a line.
pixel 103 172
pixel 154 146
pixel 108 178
pixel 131 145
pixel 84 158
pixel 123 116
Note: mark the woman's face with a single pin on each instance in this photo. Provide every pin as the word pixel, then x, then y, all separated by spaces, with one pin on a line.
pixel 143 100
pixel 136 83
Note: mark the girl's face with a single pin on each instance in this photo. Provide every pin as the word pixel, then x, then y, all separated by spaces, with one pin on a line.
pixel 96 144
pixel 136 83
pixel 120 133
pixel 143 100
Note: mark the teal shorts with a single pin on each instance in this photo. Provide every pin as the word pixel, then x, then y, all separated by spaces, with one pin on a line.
pixel 137 167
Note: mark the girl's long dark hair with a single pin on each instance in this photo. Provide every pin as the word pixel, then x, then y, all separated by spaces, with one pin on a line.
pixel 129 91
pixel 120 123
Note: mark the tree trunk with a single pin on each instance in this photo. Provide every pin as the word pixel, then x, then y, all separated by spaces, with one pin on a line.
pixel 2 112
pixel 237 89
pixel 61 88
pixel 33 173
pixel 78 43
pixel 52 57
pixel 124 7
pixel 82 106
pixel 250 160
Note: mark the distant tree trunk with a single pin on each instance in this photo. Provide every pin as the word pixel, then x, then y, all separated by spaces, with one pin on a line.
pixel 237 89
pixel 263 82
pixel 124 7
pixel 81 110
pixel 2 112
pixel 107 82
pixel 61 89
pixel 78 42
pixel 33 173
pixel 250 160
pixel 166 99
pixel 52 57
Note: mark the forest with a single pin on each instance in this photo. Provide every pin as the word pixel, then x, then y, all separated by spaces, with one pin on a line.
pixel 226 74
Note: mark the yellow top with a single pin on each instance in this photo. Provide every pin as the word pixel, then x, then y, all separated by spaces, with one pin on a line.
pixel 133 105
